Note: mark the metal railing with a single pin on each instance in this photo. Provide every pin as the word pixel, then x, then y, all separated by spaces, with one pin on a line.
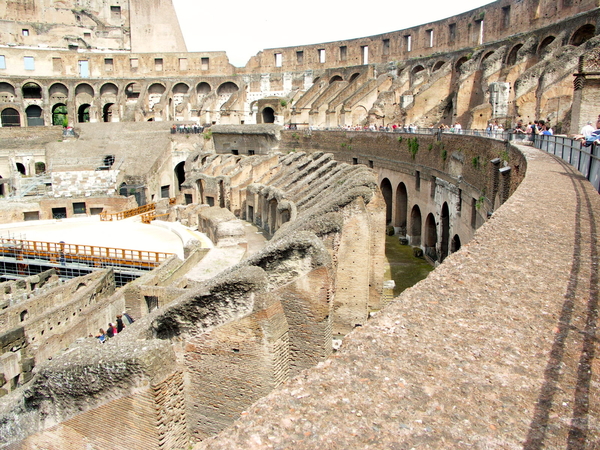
pixel 584 159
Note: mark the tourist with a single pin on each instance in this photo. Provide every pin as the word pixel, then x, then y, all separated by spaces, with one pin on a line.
pixel 127 318
pixel 593 138
pixel 111 330
pixel 101 336
pixel 547 130
pixel 120 324
pixel 587 130
pixel 458 128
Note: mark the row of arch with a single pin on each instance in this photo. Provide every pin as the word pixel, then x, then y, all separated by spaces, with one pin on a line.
pixel 579 37
pixel 420 233
pixel 34 91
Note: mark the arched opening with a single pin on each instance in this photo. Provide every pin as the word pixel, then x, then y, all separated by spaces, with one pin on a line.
pixel 155 93
pixel 32 90
pixel 133 90
pixel 227 88
pixel 544 44
pixel 84 89
pixel 181 89
pixel 58 93
pixel 83 113
pixel 180 174
pixel 445 219
pixel 386 191
pixel 34 116
pixel 21 168
pixel 417 69
pixel 203 88
pixel 107 112
pixel 485 57
pixel 40 167
pixel 2 193
pixel 317 80
pixel 221 193
pixel 415 227
pixel 285 216
pixel 438 65
pixel 272 215
pixel 7 93
pixel 268 115
pixel 455 244
pixel 353 77
pixel 583 34
pixel 109 89
pixel 335 78
pixel 359 115
pixel 430 237
pixel 511 60
pixel 401 208
pixel 10 118
pixel 460 62
pixel 23 316
pixel 59 115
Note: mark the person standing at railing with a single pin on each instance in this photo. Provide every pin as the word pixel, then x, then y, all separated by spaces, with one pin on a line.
pixel 593 138
pixel 587 130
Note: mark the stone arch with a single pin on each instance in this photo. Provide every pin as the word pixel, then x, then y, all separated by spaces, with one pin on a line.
pixel 40 167
pixel 35 117
pixel 21 168
pixel 353 77
pixel 10 117
pixel 83 113
pixel 268 115
pixel 386 191
pixel 359 114
pixel 84 89
pixel 155 93
pixel 415 226
pixel 511 59
pixel 455 244
pixel 133 90
pixel 58 93
pixel 583 34
pixel 445 225
pixel 417 69
pixel 180 174
pixel 438 65
pixel 108 112
pixel 59 114
pixel 401 208
pixel 335 78
pixel 203 88
pixel 227 88
pixel 485 57
pixel 32 90
pixel 544 44
pixel 109 89
pixel 430 237
pixel 285 216
pixel 7 93
pixel 180 88
pixel 317 80
pixel 460 62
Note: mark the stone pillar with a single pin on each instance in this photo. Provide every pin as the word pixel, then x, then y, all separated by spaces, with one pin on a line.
pixel 504 184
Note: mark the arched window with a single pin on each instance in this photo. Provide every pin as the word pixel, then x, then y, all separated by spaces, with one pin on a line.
pixel 10 117
pixel 34 116
pixel 268 115
pixel 583 34
pixel 59 115
pixel 32 90
pixel 386 191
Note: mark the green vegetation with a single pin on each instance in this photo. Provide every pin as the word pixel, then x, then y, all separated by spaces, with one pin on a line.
pixel 430 147
pixel 444 154
pixel 475 162
pixel 404 268
pixel 480 201
pixel 400 139
pixel 345 145
pixel 207 135
pixel 283 102
pixel 413 146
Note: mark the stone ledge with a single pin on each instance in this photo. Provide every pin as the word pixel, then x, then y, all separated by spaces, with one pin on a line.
pixel 484 353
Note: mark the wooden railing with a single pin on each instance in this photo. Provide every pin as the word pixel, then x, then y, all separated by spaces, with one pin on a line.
pixel 61 253
pixel 149 217
pixel 104 216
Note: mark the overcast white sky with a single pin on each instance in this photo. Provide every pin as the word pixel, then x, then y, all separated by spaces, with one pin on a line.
pixel 242 28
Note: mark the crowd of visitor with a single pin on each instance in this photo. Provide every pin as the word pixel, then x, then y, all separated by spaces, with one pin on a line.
pixel 192 128
pixel 114 328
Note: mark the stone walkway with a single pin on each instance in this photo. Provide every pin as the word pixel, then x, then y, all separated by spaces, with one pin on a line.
pixel 496 349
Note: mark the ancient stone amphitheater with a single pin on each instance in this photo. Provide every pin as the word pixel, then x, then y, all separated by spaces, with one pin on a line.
pixel 232 346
